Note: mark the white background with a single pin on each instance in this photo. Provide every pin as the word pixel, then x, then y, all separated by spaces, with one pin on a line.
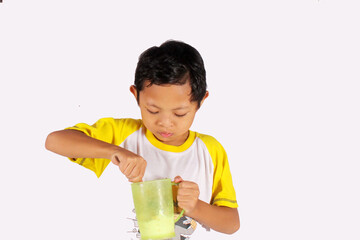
pixel 284 101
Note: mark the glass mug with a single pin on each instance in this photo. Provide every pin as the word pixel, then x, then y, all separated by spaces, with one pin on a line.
pixel 154 207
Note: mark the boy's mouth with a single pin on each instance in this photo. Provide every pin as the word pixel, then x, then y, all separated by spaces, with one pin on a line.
pixel 166 134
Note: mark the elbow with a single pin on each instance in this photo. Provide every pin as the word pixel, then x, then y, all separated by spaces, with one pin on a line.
pixel 49 142
pixel 235 226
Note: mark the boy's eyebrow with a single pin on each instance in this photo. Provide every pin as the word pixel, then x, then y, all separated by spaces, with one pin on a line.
pixel 178 108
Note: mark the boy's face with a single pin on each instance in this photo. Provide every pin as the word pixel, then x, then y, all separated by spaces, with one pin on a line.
pixel 167 111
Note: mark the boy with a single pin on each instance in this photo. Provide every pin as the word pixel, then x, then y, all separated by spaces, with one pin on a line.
pixel 170 86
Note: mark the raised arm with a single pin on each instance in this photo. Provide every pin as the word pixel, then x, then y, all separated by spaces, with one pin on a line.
pixel 75 144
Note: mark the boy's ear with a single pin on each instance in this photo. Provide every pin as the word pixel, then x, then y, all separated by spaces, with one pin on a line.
pixel 133 90
pixel 206 95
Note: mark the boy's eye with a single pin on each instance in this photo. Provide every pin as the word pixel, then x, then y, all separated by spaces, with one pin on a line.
pixel 180 115
pixel 152 112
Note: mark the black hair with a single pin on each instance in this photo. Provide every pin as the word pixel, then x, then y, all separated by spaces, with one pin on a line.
pixel 174 62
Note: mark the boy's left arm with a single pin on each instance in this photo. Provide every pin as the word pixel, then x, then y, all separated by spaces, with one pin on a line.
pixel 221 219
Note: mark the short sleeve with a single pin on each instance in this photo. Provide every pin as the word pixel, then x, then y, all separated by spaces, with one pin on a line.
pixel 110 130
pixel 223 192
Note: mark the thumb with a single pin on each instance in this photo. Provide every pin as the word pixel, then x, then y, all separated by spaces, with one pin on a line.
pixel 178 179
pixel 115 160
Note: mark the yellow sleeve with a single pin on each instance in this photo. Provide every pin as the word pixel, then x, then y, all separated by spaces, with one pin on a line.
pixel 223 192
pixel 109 130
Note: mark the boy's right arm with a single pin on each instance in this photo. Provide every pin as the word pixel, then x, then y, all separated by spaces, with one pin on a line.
pixel 75 144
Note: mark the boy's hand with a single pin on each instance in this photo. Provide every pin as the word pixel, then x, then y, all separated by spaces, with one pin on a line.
pixel 131 165
pixel 188 194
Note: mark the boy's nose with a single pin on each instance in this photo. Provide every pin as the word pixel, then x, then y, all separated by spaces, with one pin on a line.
pixel 165 121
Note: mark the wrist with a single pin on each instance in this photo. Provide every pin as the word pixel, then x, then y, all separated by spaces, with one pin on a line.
pixel 111 150
pixel 193 213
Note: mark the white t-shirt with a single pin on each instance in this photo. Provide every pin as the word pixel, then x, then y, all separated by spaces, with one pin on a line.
pixel 200 159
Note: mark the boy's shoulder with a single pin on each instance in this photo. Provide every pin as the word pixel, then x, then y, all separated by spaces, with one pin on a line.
pixel 129 121
pixel 125 125
pixel 120 122
pixel 120 127
pixel 214 148
pixel 210 141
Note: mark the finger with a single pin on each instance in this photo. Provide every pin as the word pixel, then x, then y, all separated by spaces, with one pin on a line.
pixel 187 193
pixel 178 179
pixel 138 173
pixel 143 168
pixel 115 160
pixel 136 179
pixel 126 166
pixel 123 165
pixel 188 185
pixel 130 168
pixel 135 172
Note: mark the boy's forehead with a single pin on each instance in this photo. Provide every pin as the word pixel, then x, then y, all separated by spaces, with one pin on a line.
pixel 168 94
pixel 184 89
pixel 179 107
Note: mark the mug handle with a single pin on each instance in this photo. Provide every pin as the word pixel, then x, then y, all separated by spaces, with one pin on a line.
pixel 182 211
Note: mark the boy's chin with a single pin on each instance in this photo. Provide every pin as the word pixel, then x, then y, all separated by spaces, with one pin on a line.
pixel 164 140
pixel 168 140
